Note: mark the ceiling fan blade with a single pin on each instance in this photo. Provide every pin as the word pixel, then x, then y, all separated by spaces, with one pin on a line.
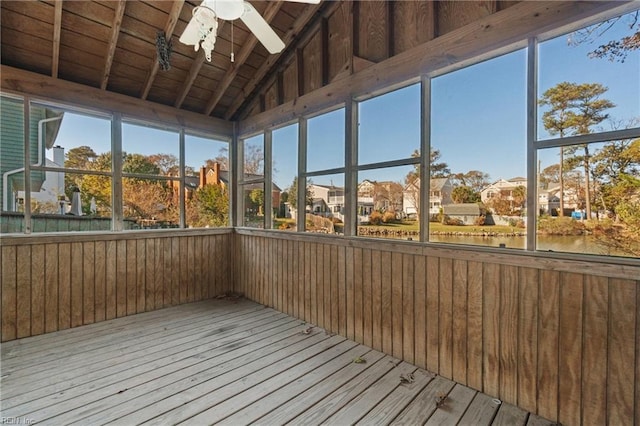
pixel 304 1
pixel 261 29
pixel 191 34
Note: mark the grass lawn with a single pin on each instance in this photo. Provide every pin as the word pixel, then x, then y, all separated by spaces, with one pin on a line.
pixel 412 225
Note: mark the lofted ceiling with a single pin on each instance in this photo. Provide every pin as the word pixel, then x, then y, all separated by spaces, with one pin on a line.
pixel 111 45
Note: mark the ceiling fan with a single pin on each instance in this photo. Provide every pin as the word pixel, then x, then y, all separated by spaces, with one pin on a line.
pixel 202 29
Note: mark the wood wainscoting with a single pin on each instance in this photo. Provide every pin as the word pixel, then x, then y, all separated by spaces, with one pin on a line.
pixel 555 335
pixel 52 282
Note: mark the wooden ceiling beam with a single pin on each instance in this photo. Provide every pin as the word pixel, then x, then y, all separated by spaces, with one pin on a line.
pixel 268 15
pixel 45 88
pixel 174 15
pixel 57 27
pixel 288 38
pixel 113 41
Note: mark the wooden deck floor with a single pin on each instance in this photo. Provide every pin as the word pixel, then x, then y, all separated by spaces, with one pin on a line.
pixel 229 362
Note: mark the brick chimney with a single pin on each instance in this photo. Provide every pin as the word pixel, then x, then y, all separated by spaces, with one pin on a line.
pixel 214 176
pixel 203 177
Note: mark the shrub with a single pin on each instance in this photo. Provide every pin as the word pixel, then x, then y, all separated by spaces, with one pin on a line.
pixel 388 217
pixel 560 226
pixel 479 221
pixel 375 218
pixel 452 221
pixel 517 223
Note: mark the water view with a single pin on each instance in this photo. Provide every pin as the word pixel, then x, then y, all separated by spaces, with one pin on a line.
pixel 553 243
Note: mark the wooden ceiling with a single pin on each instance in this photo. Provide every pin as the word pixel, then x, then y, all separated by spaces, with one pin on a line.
pixel 111 45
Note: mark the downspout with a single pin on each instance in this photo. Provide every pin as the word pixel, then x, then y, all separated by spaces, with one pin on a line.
pixel 5 175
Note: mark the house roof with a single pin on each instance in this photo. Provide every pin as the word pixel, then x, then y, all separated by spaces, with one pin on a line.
pixel 438 183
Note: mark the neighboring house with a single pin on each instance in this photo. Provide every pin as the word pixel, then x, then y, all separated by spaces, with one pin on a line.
pixel 328 200
pixel 439 195
pixel 468 213
pixel 207 176
pixel 52 187
pixel 501 188
pixel 380 196
pixel 549 200
pixel 12 148
pixel 216 176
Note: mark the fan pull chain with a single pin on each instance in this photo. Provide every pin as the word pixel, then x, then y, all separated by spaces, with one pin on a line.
pixel 232 55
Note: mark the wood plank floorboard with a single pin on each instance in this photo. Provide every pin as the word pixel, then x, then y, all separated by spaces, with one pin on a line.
pixel 230 362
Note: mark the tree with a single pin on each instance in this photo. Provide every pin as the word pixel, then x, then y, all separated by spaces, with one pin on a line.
pixel 509 203
pixel 80 158
pixel 589 112
pixel 253 160
pixel 140 164
pixel 610 165
pixel 208 207
pixel 624 235
pixel 614 50
pixel 257 198
pixel 550 174
pixel 558 120
pixel 519 196
pixel 574 109
pixel 148 199
pixel 167 163
pixel 464 194
pixel 474 179
pixel 412 180
pixel 437 169
pixel 222 158
pixel 293 193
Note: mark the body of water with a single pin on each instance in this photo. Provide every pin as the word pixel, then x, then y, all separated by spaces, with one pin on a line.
pixel 554 243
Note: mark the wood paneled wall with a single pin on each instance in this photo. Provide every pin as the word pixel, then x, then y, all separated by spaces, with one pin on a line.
pixel 56 282
pixel 557 337
pixel 353 35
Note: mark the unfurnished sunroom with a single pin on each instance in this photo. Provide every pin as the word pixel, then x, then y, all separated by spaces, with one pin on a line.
pixel 219 212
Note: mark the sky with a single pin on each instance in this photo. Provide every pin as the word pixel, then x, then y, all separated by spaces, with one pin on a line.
pixel 477 119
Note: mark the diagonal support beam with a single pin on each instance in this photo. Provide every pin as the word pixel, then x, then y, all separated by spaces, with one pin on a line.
pixel 269 13
pixel 193 72
pixel 299 25
pixel 188 82
pixel 57 26
pixel 113 41
pixel 174 15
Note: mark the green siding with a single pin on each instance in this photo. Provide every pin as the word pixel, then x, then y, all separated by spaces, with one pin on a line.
pixel 12 142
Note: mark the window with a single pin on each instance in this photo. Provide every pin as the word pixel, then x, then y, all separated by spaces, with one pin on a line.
pixel 579 60
pixel 325 198
pixel 388 200
pixel 284 169
pixel 325 179
pixel 387 207
pixel 389 126
pixel 72 172
pixel 150 161
pixel 206 182
pixel 589 141
pixel 325 141
pixel 252 187
pixel 71 177
pixel 478 154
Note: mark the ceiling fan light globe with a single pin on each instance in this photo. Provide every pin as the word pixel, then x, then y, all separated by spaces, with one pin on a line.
pixel 228 10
